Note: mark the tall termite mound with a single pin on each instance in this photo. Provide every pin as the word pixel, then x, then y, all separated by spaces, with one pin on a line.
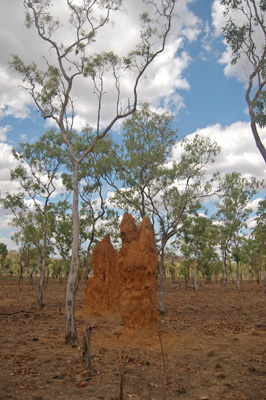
pixel 126 282
pixel 137 262
pixel 102 290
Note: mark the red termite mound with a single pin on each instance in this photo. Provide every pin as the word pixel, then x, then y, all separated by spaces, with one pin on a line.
pixel 102 291
pixel 126 282
pixel 137 262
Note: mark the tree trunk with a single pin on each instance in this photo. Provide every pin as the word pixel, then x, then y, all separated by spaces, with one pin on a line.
pixel 224 254
pixel 265 264
pixel 259 276
pixel 20 272
pixel 231 272
pixel 43 258
pixel 225 274
pixel 255 133
pixel 161 281
pixel 195 276
pixel 238 275
pixel 41 285
pixel 26 274
pixel 35 275
pixel 70 323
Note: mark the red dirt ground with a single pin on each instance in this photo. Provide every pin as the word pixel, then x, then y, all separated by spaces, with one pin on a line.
pixel 214 345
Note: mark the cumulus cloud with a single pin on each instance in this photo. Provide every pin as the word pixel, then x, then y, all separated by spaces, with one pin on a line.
pixel 238 150
pixel 7 230
pixel 7 162
pixel 243 67
pixel 254 204
pixel 3 132
pixel 9 243
pixel 158 86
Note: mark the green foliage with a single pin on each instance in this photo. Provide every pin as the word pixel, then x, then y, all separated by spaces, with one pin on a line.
pixel 3 254
pixel 236 192
pixel 37 173
pixel 236 36
pixel 233 213
pixel 39 164
pixel 245 33
pixel 184 269
pixel 198 237
pixel 61 228
pixel 260 108
pixel 101 64
pixel 139 161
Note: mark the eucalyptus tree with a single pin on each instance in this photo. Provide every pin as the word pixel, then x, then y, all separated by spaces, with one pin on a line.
pixel 245 33
pixel 3 254
pixel 52 86
pixel 37 172
pixel 198 241
pixel 259 231
pixel 95 216
pixel 61 228
pixel 26 236
pixel 148 139
pixel 183 185
pixel 252 256
pixel 153 183
pixel 233 213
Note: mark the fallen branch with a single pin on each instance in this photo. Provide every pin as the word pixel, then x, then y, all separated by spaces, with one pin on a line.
pixel 21 311
pixel 164 367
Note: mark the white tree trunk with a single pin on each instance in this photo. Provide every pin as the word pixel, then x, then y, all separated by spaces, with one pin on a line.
pixel 225 275
pixel 161 282
pixel 70 323
pixel 26 274
pixel 43 259
pixel 195 276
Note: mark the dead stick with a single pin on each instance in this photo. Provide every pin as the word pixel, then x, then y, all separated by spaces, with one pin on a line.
pixel 87 361
pixel 121 376
pixel 164 366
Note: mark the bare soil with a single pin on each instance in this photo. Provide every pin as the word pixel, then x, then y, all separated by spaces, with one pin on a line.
pixel 214 347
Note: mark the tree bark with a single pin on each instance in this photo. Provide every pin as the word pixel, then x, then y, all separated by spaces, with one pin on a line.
pixel 161 282
pixel 253 125
pixel 70 323
pixel 27 274
pixel 195 276
pixel 265 264
pixel 43 263
pixel 41 285
pixel 238 275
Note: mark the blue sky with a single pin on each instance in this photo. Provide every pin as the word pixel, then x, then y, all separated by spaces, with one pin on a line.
pixel 193 78
pixel 213 97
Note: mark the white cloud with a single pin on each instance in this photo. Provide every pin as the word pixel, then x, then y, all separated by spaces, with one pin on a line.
pixel 239 152
pixel 7 230
pixel 254 204
pixel 7 162
pixel 251 223
pixel 5 220
pixel 3 132
pixel 9 243
pixel 243 67
pixel 13 100
pixel 218 18
pixel 207 39
pixel 159 86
